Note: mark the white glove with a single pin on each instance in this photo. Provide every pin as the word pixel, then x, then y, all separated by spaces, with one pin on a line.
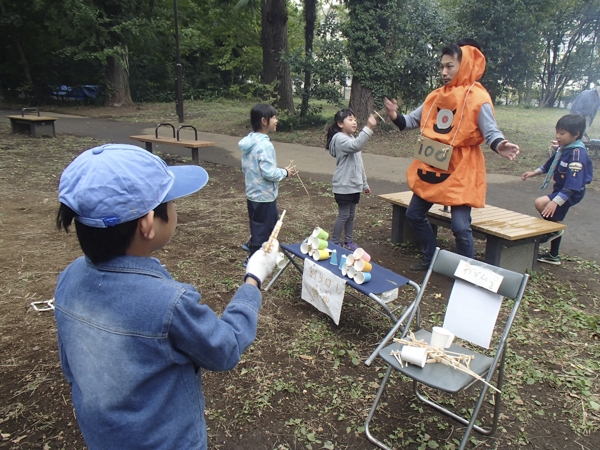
pixel 261 264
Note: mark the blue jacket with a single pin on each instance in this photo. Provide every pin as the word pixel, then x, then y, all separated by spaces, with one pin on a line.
pixel 570 179
pixel 259 165
pixel 132 342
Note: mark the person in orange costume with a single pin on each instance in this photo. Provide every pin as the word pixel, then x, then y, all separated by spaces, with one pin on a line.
pixel 459 114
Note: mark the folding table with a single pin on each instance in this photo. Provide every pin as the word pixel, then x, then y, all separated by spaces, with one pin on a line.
pixel 382 279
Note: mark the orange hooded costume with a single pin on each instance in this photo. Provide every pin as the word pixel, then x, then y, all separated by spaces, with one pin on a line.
pixel 450 115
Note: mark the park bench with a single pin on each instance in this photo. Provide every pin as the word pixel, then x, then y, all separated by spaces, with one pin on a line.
pixel 193 145
pixel 512 239
pixel 35 125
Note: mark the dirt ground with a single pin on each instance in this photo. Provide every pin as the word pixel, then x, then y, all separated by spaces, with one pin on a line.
pixel 303 383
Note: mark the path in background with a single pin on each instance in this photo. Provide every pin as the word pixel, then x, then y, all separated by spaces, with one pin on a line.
pixel 386 174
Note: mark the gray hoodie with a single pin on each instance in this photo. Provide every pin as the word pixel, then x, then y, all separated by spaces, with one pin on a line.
pixel 349 176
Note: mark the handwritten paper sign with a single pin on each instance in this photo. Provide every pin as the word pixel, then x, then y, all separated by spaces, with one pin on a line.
pixel 322 289
pixel 479 276
pixel 433 152
pixel 472 312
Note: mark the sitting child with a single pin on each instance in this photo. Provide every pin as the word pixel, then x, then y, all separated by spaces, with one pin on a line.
pixel 571 168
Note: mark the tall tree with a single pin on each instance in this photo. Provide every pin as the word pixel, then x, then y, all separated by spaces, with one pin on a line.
pixel 310 17
pixel 369 31
pixel 274 40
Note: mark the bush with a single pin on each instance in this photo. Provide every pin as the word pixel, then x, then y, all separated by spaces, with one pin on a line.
pixel 297 122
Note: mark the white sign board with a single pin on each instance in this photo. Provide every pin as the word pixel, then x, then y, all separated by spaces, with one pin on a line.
pixel 322 289
pixel 479 276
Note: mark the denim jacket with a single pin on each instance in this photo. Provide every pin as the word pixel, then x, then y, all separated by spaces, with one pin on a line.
pixel 132 342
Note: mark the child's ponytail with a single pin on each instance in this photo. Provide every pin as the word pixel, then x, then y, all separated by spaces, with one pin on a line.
pixel 334 128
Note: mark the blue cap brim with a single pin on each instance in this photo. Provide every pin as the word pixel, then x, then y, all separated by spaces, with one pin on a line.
pixel 188 179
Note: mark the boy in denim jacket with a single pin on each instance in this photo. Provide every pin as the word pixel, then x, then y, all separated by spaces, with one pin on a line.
pixel 132 340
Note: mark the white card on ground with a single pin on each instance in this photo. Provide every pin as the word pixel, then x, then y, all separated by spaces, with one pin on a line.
pixel 472 313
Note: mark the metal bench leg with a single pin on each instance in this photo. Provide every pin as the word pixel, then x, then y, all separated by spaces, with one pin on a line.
pixel 149 146
pixel 195 157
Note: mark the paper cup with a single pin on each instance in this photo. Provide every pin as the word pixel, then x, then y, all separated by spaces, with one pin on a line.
pixel 333 261
pixel 305 248
pixel 351 272
pixel 344 269
pixel 317 243
pixel 362 277
pixel 320 233
pixel 343 261
pixel 359 253
pixel 350 259
pixel 441 338
pixel 362 265
pixel 319 255
pixel 414 355
pixel 281 261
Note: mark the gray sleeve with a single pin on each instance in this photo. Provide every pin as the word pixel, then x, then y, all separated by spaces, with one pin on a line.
pixel 413 120
pixel 488 126
pixel 350 144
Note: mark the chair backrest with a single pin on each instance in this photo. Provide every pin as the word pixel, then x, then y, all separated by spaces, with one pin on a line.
pixel 447 262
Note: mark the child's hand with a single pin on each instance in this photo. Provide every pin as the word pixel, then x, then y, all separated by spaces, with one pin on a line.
pixel 371 122
pixel 528 175
pixel 291 170
pixel 368 190
pixel 261 264
pixel 549 209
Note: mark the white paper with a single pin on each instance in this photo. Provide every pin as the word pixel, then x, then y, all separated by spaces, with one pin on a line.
pixel 472 313
pixel 322 289
pixel 479 276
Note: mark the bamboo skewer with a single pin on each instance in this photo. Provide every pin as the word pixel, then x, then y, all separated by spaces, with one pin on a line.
pixel 458 361
pixel 292 166
pixel 274 233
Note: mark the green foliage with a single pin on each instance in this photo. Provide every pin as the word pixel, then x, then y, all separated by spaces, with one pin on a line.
pixel 298 122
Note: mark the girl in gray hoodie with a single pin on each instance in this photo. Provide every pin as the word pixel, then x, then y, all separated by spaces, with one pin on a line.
pixel 349 178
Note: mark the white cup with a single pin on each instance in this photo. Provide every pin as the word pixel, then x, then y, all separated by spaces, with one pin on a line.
pixel 441 338
pixel 351 271
pixel 414 355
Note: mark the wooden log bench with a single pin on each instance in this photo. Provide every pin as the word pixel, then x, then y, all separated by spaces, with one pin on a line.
pixel 35 125
pixel 193 145
pixel 512 239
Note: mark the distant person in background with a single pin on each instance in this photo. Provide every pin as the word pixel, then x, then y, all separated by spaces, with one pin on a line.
pixel 587 104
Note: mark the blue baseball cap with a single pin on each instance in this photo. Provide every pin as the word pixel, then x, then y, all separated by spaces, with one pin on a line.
pixel 117 183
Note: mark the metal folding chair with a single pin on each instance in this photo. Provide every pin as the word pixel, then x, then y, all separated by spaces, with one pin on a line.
pixel 445 378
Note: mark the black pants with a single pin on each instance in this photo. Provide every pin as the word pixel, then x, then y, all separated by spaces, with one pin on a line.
pixel 263 218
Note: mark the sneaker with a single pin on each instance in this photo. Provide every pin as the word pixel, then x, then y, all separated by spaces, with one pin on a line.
pixel 547 258
pixel 420 266
pixel 553 236
pixel 350 246
pixel 246 246
pixel 245 263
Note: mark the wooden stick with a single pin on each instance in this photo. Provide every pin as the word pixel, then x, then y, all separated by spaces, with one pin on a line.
pixel 440 355
pixel 293 166
pixel 378 115
pixel 274 233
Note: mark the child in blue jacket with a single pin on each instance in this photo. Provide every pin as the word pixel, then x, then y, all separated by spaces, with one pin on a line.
pixel 262 176
pixel 132 340
pixel 571 169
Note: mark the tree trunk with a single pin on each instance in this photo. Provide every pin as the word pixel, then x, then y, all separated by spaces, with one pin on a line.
pixel 274 38
pixel 361 101
pixel 24 62
pixel 117 73
pixel 310 17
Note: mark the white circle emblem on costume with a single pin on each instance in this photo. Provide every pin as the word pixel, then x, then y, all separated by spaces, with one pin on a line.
pixel 444 119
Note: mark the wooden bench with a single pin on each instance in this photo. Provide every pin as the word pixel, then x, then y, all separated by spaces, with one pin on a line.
pixel 512 239
pixel 193 145
pixel 36 126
